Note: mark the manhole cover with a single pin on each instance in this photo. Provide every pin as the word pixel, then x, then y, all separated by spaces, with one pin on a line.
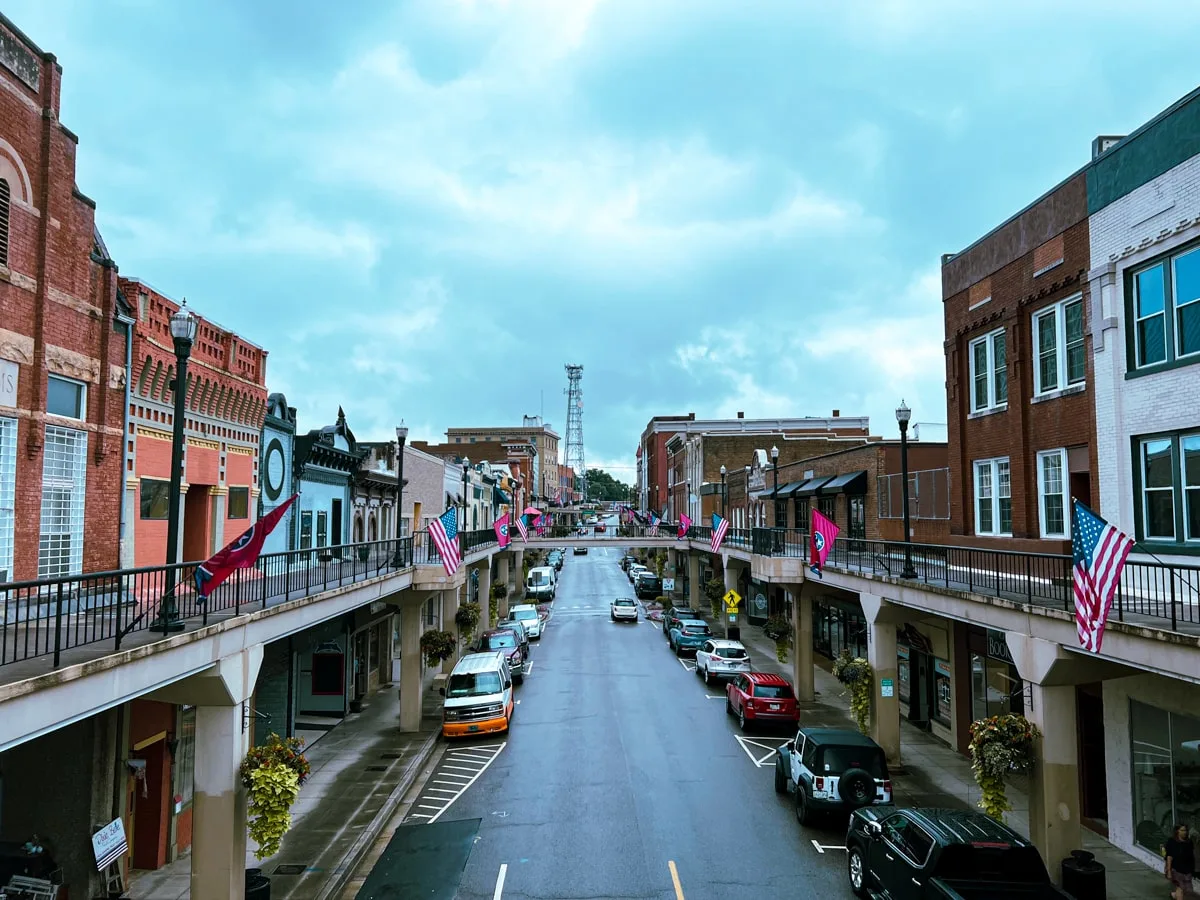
pixel 377 768
pixel 389 755
pixel 290 869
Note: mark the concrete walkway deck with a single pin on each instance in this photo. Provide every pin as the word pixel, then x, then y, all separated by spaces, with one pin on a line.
pixel 360 771
pixel 936 775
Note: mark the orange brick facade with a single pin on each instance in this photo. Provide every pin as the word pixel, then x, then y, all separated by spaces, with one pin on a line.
pixel 58 318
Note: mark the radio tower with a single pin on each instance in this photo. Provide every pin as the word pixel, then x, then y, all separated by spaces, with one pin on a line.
pixel 575 426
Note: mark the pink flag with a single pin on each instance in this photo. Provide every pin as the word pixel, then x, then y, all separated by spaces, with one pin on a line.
pixel 684 524
pixel 824 533
pixel 501 526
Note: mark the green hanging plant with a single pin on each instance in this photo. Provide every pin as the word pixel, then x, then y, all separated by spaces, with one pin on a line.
pixel 779 629
pixel 856 674
pixel 1000 745
pixel 467 619
pixel 437 646
pixel 272 775
pixel 714 590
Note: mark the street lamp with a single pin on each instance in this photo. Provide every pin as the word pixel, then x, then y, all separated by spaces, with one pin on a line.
pixel 466 468
pixel 722 491
pixel 775 486
pixel 401 437
pixel 183 334
pixel 746 495
pixel 903 414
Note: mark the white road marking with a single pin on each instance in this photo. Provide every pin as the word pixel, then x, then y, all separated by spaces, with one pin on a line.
pixel 459 768
pixel 821 848
pixel 500 882
pixel 426 806
pixel 716 696
pixel 529 668
pixel 472 757
pixel 754 750
pixel 463 790
pixel 687 667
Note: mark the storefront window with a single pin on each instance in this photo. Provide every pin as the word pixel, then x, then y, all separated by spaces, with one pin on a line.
pixel 995 688
pixel 904 673
pixel 185 756
pixel 1165 757
pixel 944 710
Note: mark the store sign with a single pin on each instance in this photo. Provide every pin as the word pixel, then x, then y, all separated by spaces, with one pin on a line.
pixel 109 844
pixel 997 647
pixel 941 667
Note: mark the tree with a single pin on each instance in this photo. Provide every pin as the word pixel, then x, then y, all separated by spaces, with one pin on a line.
pixel 602 486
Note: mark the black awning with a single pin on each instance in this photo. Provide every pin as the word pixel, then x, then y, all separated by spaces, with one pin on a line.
pixel 850 483
pixel 790 488
pixel 811 486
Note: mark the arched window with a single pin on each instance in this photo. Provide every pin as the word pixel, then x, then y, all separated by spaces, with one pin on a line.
pixel 374 530
pixel 5 206
pixel 358 530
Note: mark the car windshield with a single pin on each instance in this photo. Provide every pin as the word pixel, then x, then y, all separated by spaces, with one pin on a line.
pixel 524 614
pixel 504 641
pixel 836 760
pixel 732 653
pixel 473 684
pixel 774 691
pixel 539 578
pixel 625 603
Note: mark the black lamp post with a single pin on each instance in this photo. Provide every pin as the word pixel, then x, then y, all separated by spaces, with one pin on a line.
pixel 401 437
pixel 183 334
pixel 746 491
pixel 775 485
pixel 466 468
pixel 722 492
pixel 903 414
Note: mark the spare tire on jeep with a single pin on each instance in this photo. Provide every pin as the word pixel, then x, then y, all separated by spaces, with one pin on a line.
pixel 857 788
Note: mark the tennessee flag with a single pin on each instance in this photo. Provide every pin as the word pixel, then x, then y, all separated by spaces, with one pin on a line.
pixel 501 526
pixel 684 524
pixel 241 554
pixel 824 533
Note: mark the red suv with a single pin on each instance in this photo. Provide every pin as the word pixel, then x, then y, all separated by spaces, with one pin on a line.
pixel 762 697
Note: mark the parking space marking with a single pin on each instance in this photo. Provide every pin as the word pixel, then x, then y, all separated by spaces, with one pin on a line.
pixel 821 848
pixel 473 761
pixel 499 892
pixel 687 666
pixel 675 879
pixel 716 696
pixel 754 749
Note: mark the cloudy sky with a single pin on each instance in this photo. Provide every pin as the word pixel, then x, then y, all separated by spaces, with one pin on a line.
pixel 424 209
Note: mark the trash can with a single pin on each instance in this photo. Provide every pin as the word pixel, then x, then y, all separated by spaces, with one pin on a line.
pixel 1083 877
pixel 258 885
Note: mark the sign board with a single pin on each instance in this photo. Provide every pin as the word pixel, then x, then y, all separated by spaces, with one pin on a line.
pixel 733 618
pixel 109 844
pixel 732 600
pixel 8 382
pixel 887 688
pixel 668 584
pixel 997 646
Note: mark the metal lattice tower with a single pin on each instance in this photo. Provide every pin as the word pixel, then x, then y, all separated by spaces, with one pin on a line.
pixel 575 426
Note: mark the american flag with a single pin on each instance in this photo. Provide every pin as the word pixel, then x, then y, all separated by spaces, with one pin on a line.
pixel 654 520
pixel 719 527
pixel 444 530
pixel 1099 552
pixel 523 528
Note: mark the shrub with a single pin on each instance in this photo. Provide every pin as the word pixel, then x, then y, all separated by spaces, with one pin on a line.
pixel 857 675
pixel 437 646
pixel 1000 745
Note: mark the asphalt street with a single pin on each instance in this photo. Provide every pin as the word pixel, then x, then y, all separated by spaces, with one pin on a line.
pixel 622 777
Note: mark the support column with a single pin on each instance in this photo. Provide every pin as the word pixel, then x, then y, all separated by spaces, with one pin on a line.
pixel 1054 783
pixel 449 608
pixel 881 654
pixel 502 577
pixel 671 570
pixel 695 588
pixel 219 805
pixel 485 594
pixel 516 585
pixel 803 676
pixel 220 503
pixel 410 663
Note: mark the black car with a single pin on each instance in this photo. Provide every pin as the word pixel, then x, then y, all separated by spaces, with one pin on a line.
pixel 674 616
pixel 951 854
pixel 580 551
pixel 648 586
pixel 626 562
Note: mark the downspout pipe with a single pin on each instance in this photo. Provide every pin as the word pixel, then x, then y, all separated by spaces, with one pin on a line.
pixel 126 441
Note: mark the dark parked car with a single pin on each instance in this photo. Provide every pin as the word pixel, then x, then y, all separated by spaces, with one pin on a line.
pixel 674 615
pixel 519 629
pixel 627 561
pixel 950 854
pixel 648 586
pixel 507 643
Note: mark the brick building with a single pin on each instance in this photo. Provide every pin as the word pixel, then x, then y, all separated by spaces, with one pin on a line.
pixel 545 481
pixel 226 402
pixel 63 339
pixel 1018 380
pixel 519 454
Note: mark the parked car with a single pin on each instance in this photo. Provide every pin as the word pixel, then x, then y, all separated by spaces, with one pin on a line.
pixel 555 559
pixel 688 636
pixel 761 698
pixel 580 551
pixel 624 609
pixel 527 614
pixel 627 561
pixel 648 586
pixel 952 854
pixel 519 630
pixel 674 615
pixel 508 643
pixel 600 528
pixel 720 658
pixel 540 583
pixel 479 696
pixel 832 770
pixel 634 570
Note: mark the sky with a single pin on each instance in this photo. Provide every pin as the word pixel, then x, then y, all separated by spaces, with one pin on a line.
pixel 424 210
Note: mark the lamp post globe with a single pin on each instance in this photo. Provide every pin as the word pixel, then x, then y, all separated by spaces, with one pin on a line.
pixel 903 415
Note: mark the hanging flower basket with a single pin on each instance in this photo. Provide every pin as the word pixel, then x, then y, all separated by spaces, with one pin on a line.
pixel 779 629
pixel 1000 745
pixel 856 674
pixel 437 646
pixel 467 619
pixel 272 775
pixel 714 589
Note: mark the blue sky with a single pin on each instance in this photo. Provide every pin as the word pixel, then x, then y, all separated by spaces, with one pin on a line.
pixel 423 210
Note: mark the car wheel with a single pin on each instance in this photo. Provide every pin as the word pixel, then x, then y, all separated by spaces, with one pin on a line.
pixel 801 806
pixel 520 679
pixel 678 650
pixel 707 676
pixel 613 617
pixel 699 674
pixel 780 776
pixel 742 718
pixel 856 870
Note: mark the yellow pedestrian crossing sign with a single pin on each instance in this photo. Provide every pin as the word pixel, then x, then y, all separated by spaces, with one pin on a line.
pixel 732 599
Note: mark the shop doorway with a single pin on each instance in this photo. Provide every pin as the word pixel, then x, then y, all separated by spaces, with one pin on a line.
pixel 920 706
pixel 1093 781
pixel 335 529
pixel 197 524
pixel 148 805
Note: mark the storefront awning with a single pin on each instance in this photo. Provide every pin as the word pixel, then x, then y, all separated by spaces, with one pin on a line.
pixel 850 483
pixel 811 486
pixel 501 496
pixel 790 488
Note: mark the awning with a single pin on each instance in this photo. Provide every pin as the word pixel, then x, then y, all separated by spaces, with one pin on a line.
pixel 790 488
pixel 811 486
pixel 501 496
pixel 850 483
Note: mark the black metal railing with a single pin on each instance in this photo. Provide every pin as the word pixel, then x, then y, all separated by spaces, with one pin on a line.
pixel 426 551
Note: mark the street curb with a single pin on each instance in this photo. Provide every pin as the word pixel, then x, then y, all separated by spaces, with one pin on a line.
pixel 346 867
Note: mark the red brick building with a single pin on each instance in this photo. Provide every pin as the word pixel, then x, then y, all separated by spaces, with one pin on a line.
pixel 63 327
pixel 226 401
pixel 1018 376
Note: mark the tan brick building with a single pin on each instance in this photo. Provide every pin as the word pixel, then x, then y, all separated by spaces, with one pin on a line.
pixel 545 482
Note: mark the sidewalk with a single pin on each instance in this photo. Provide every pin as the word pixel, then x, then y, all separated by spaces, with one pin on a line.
pixel 360 771
pixel 936 775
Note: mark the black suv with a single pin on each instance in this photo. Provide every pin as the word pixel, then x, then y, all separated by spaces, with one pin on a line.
pixel 648 586
pixel 832 770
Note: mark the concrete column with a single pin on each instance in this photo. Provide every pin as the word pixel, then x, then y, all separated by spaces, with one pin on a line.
pixel 410 663
pixel 671 570
pixel 449 608
pixel 485 593
pixel 516 585
pixel 802 651
pixel 502 577
pixel 220 503
pixel 219 805
pixel 696 598
pixel 1054 783
pixel 885 711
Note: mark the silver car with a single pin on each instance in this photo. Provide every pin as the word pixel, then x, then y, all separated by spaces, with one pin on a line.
pixel 719 658
pixel 624 609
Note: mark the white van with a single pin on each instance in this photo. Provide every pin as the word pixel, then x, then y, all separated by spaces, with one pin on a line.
pixel 479 696
pixel 541 583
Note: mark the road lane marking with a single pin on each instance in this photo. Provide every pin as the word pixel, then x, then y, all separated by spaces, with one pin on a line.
pixel 464 788
pixel 500 882
pixel 717 696
pixel 821 848
pixel 758 746
pixel 686 666
pixel 460 768
pixel 675 879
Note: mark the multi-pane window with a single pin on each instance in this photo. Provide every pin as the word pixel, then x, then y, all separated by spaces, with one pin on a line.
pixel 239 503
pixel 8 495
pixel 5 210
pixel 1059 359
pixel 64 483
pixel 66 398
pixel 1165 310
pixel 1169 481
pixel 989 372
pixel 1052 493
pixel 993 497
